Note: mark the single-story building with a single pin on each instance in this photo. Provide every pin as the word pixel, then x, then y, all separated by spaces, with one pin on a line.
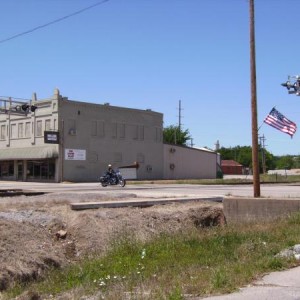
pixel 231 167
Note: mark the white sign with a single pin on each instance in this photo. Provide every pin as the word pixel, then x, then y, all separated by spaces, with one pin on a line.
pixel 75 154
pixel 128 173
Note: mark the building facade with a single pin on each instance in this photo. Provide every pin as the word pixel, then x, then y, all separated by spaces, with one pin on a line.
pixel 181 162
pixel 57 140
pixel 231 167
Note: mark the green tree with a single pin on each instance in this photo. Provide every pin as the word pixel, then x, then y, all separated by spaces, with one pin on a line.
pixel 175 135
pixel 243 155
pixel 285 162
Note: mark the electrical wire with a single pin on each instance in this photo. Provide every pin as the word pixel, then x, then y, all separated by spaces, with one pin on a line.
pixel 14 98
pixel 53 22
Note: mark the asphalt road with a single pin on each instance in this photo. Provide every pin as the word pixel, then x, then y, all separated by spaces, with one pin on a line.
pixel 160 190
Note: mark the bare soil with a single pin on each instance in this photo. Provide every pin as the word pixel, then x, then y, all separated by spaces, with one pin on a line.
pixel 39 232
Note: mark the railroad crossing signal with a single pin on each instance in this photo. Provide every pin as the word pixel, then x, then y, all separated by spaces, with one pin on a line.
pixel 293 85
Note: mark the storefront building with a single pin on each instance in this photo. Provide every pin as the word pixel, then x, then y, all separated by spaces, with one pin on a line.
pixel 57 140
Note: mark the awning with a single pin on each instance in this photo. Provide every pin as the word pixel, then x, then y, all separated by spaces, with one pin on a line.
pixel 29 153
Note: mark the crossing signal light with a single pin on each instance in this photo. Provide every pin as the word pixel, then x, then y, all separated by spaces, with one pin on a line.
pixel 25 107
pixel 33 108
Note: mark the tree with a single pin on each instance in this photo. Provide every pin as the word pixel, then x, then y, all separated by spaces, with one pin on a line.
pixel 175 135
pixel 285 162
pixel 243 155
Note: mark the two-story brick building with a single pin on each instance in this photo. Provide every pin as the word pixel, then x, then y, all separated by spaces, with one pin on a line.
pixel 58 140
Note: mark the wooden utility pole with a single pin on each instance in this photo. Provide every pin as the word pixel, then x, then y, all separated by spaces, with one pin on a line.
pixel 179 117
pixel 255 161
pixel 262 140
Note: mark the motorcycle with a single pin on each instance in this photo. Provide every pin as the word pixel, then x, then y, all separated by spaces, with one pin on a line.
pixel 115 179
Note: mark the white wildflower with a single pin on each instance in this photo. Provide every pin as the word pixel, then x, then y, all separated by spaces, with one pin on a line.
pixel 143 253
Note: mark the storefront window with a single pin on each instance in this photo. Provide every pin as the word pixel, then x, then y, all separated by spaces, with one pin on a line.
pixel 41 169
pixel 6 169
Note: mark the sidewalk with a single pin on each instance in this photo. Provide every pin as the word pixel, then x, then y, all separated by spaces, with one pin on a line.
pixel 274 286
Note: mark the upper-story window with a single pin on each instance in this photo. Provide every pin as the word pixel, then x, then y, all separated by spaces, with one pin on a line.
pixel 122 131
pixel 27 129
pixel 13 131
pixel 47 124
pixel 97 128
pixel 141 132
pixel 71 125
pixel 20 130
pixel 114 130
pixel 2 133
pixel 39 128
pixel 94 128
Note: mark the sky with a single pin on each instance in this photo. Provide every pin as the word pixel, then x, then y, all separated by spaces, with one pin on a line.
pixel 153 54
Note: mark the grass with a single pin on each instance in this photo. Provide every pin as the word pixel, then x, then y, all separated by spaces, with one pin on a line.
pixel 198 262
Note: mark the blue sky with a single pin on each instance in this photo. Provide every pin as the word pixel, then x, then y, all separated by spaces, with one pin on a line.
pixel 152 53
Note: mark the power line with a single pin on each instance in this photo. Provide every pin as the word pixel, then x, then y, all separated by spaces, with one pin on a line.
pixel 53 22
pixel 14 98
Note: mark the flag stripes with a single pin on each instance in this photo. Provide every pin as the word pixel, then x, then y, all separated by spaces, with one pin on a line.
pixel 280 122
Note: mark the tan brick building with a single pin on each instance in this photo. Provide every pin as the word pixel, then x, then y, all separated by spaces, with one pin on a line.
pixel 89 137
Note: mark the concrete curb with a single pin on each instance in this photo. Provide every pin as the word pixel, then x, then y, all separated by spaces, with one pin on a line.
pixel 139 202
pixel 238 209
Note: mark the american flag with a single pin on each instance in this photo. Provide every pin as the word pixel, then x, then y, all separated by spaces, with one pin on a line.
pixel 280 122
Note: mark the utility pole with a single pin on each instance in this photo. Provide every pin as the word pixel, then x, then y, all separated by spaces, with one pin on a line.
pixel 262 140
pixel 255 163
pixel 192 144
pixel 179 116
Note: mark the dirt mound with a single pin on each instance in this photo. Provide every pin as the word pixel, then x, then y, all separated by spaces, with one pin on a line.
pixel 36 235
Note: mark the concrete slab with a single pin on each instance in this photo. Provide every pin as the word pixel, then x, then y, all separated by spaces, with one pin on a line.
pixel 242 209
pixel 139 202
pixel 274 286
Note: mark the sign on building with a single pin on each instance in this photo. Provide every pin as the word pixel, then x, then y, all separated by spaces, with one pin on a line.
pixel 51 137
pixel 129 173
pixel 75 154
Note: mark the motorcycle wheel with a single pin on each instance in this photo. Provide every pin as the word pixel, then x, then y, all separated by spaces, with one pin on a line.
pixel 103 184
pixel 122 182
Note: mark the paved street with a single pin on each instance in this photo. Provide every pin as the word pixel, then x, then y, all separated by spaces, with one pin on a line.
pixel 160 190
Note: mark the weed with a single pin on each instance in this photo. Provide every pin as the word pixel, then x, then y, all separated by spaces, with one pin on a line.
pixel 196 262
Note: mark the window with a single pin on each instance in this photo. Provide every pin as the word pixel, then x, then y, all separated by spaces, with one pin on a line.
pixel 135 132
pixel 114 130
pixel 41 169
pixel 2 137
pixel 142 132
pixel 122 131
pixel 47 124
pixel 71 127
pixel 97 128
pixel 6 169
pixel 13 131
pixel 94 128
pixel 20 130
pixel 39 128
pixel 27 129
pixel 100 128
